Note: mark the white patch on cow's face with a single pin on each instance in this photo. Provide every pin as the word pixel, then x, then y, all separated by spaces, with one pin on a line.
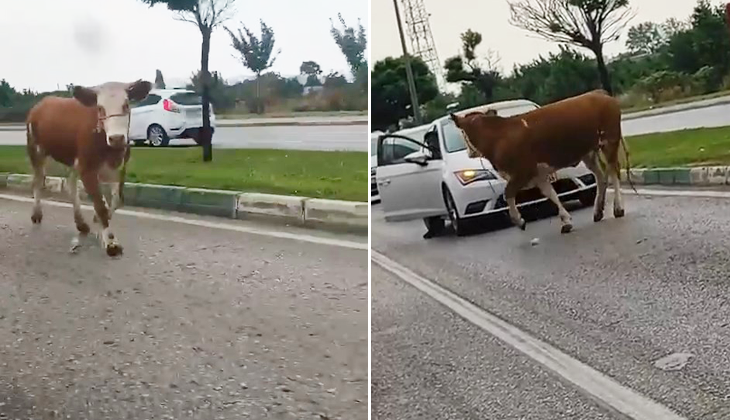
pixel 114 114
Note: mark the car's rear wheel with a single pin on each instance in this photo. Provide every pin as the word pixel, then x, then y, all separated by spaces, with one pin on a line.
pixel 156 136
pixel 457 223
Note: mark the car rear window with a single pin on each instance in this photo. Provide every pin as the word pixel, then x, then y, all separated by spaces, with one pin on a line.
pixel 149 100
pixel 187 98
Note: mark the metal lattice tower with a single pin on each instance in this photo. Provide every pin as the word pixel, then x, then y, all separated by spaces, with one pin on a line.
pixel 419 32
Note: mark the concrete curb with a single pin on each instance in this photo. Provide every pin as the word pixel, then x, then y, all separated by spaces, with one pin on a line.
pixel 697 176
pixel 300 211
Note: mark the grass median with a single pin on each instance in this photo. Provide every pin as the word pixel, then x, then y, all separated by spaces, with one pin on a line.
pixel 696 147
pixel 332 175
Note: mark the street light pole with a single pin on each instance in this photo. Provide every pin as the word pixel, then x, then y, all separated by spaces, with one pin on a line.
pixel 409 69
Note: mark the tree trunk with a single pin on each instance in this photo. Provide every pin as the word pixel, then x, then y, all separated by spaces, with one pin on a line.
pixel 259 108
pixel 603 70
pixel 206 134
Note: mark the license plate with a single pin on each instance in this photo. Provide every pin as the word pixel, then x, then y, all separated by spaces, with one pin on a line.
pixel 552 177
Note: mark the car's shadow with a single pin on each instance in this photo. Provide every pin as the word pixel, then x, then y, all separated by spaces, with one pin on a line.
pixel 501 221
pixel 169 146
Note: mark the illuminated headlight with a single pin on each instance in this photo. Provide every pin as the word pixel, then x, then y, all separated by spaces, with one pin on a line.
pixel 468 176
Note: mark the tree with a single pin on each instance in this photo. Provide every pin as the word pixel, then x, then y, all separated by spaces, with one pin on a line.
pixel 334 80
pixel 586 23
pixel 256 54
pixel 206 15
pixel 390 97
pixel 352 44
pixel 467 69
pixel 312 70
pixel 159 80
pixel 645 38
pixel 221 95
pixel 555 77
pixel 7 94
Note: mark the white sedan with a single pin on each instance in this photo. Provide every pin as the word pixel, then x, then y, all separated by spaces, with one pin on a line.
pixel 436 180
pixel 167 114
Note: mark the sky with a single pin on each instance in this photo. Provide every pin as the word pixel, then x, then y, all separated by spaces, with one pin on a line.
pixel 48 44
pixel 448 19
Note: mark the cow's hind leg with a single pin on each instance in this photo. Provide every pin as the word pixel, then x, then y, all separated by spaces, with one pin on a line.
pixel 108 240
pixel 594 165
pixel 38 161
pixel 548 191
pixel 618 200
pixel 514 185
pixel 614 172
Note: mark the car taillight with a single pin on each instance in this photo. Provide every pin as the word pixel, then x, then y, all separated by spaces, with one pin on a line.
pixel 169 105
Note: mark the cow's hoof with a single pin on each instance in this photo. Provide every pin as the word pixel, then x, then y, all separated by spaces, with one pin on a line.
pixel 597 217
pixel 36 217
pixel 83 228
pixel 618 213
pixel 522 225
pixel 566 228
pixel 114 250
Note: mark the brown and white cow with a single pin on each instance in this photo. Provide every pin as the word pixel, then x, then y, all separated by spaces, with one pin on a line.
pixel 88 133
pixel 525 149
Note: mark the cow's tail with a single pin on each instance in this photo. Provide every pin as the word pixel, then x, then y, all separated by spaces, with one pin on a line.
pixel 628 164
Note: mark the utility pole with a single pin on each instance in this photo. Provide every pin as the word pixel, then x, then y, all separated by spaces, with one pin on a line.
pixel 409 69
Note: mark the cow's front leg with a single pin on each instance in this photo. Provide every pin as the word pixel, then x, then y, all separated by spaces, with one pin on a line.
pixel 72 183
pixel 514 185
pixel 548 191
pixel 108 240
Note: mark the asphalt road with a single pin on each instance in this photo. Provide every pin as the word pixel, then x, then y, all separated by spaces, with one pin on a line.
pixel 616 296
pixel 714 116
pixel 323 138
pixel 190 323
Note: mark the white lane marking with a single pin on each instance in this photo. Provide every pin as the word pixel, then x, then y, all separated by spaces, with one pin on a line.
pixel 680 193
pixel 209 224
pixel 603 389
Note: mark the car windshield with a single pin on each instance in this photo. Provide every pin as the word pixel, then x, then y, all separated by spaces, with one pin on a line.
pixel 187 98
pixel 454 140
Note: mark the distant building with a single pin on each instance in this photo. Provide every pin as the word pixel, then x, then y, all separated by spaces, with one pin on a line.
pixel 310 89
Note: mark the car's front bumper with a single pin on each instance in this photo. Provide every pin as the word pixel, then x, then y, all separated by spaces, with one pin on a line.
pixel 487 197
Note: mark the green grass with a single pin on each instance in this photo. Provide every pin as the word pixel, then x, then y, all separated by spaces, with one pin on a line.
pixel 697 147
pixel 333 175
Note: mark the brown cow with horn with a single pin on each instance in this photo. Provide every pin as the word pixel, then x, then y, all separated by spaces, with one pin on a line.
pixel 89 133
pixel 525 149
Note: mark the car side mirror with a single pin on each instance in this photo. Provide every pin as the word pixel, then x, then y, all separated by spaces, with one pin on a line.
pixel 419 158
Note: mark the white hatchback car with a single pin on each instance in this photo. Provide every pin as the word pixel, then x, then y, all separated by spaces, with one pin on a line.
pixel 167 114
pixel 445 183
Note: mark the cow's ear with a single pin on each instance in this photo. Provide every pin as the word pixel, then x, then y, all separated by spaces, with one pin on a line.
pixel 136 91
pixel 491 113
pixel 85 95
pixel 452 116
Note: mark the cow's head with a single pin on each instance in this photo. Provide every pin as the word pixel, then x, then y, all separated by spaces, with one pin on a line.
pixel 112 103
pixel 468 125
